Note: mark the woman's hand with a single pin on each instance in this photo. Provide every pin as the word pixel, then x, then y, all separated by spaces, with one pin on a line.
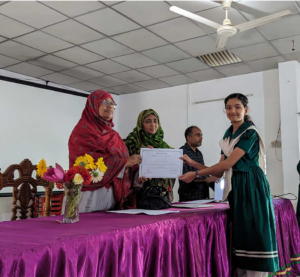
pixel 149 146
pixel 187 159
pixel 188 177
pixel 143 179
pixel 133 160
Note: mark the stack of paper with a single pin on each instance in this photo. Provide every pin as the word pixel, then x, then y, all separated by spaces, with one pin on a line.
pixel 204 201
pixel 191 205
pixel 142 211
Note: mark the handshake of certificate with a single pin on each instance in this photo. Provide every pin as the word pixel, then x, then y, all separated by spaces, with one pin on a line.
pixel 166 163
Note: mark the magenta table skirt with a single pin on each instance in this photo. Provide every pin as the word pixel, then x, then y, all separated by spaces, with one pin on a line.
pixel 288 238
pixel 189 243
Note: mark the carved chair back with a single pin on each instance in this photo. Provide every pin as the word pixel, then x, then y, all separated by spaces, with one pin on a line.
pixel 25 189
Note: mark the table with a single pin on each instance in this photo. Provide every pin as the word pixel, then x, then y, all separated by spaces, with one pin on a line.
pixel 288 238
pixel 190 243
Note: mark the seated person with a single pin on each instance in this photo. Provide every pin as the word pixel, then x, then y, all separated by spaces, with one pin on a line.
pixel 152 193
pixel 199 188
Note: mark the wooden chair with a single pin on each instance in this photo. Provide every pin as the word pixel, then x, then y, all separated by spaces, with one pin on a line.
pixel 56 204
pixel 25 189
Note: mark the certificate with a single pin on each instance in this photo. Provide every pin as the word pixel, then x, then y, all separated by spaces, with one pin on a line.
pixel 161 163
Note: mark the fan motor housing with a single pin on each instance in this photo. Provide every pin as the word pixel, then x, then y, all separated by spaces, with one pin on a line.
pixel 228 31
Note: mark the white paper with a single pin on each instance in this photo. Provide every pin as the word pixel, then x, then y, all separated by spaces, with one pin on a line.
pixel 191 206
pixel 203 201
pixel 161 163
pixel 219 189
pixel 143 211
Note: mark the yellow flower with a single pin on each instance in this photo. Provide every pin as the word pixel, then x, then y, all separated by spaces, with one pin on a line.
pixel 89 162
pixel 77 180
pixel 81 160
pixel 101 165
pixel 41 167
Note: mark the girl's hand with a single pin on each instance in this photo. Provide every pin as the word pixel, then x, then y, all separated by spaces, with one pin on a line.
pixel 188 177
pixel 149 146
pixel 186 159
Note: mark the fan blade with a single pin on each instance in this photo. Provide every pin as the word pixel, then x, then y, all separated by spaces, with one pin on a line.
pixel 195 17
pixel 221 41
pixel 261 21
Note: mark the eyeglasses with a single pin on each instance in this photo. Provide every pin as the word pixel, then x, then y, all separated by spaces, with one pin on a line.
pixel 107 103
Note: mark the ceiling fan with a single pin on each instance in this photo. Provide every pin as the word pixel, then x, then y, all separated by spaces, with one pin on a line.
pixel 227 29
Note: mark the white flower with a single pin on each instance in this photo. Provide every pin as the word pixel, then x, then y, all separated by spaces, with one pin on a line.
pixel 97 175
pixel 77 180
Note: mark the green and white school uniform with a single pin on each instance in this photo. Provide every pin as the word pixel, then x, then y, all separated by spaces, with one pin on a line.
pixel 254 230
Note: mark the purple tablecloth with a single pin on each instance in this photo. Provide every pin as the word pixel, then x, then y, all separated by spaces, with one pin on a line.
pixel 190 243
pixel 288 238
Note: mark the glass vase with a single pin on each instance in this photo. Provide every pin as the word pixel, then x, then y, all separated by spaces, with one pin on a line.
pixel 72 193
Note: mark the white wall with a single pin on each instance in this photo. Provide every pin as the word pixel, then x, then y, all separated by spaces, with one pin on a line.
pixel 36 124
pixel 210 116
pixel 272 122
pixel 5 208
pixel 177 111
pixel 290 123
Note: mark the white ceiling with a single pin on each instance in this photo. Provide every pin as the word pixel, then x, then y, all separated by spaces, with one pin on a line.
pixel 132 46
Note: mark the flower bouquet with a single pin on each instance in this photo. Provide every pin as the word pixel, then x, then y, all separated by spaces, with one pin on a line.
pixel 81 174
